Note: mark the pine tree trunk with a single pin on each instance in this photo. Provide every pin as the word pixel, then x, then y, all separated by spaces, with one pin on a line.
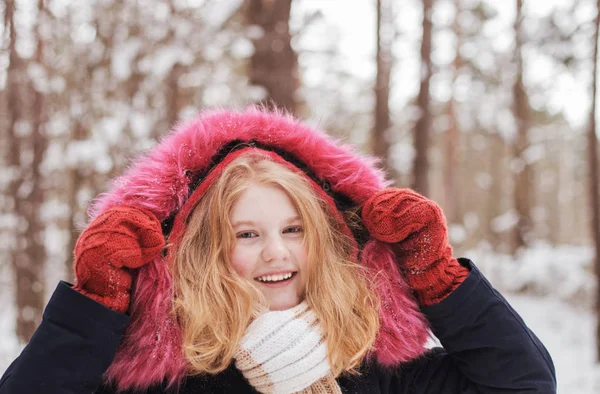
pixel 15 106
pixel 172 94
pixel 452 140
pixel 380 144
pixel 554 219
pixel 75 186
pixel 28 255
pixel 594 175
pixel 523 175
pixel 36 250
pixel 274 64
pixel 421 131
pixel 494 198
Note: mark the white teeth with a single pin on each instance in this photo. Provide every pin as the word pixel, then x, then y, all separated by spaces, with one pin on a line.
pixel 274 278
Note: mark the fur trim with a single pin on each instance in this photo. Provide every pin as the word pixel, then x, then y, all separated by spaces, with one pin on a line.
pixel 150 352
pixel 402 330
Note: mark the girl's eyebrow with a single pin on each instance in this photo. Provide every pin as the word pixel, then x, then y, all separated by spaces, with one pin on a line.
pixel 252 223
pixel 243 222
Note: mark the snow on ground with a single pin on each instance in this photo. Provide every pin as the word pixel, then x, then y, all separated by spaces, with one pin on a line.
pixel 564 273
pixel 553 290
pixel 568 334
pixel 557 308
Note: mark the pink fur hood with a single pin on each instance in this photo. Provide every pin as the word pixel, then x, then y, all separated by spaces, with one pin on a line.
pixel 162 180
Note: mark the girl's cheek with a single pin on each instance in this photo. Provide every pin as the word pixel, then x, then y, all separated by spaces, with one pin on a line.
pixel 241 260
pixel 235 260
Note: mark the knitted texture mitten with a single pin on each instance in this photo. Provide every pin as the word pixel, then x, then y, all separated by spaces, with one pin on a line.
pixel 416 228
pixel 285 352
pixel 119 239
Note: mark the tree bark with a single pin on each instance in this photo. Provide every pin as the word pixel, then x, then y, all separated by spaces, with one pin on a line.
pixel 15 106
pixel 274 64
pixel 76 183
pixel 28 255
pixel 523 175
pixel 594 175
pixel 172 94
pixel 554 214
pixel 452 140
pixel 421 131
pixel 380 144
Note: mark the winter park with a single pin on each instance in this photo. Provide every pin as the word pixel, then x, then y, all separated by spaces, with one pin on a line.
pixel 299 196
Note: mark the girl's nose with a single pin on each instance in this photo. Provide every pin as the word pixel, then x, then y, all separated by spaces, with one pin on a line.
pixel 274 250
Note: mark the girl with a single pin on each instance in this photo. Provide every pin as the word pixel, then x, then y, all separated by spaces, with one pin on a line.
pixel 249 253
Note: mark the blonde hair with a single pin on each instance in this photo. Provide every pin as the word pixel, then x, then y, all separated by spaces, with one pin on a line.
pixel 214 305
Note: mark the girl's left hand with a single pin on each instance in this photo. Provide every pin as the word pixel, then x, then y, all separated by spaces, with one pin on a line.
pixel 416 228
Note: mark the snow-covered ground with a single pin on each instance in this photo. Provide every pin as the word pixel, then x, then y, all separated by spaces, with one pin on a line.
pixel 553 289
pixel 564 325
pixel 568 334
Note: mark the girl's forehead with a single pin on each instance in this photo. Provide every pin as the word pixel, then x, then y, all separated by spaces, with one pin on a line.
pixel 260 202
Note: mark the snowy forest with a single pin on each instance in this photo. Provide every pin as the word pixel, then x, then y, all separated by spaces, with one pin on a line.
pixel 486 107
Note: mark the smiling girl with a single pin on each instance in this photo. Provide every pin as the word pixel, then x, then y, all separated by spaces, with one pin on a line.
pixel 249 253
pixel 273 228
pixel 269 247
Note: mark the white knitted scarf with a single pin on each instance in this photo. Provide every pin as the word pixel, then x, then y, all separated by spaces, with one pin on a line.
pixel 285 352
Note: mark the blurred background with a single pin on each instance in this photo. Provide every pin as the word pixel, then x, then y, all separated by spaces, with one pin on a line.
pixel 485 106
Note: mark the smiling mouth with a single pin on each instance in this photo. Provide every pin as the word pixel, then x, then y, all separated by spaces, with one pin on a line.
pixel 276 278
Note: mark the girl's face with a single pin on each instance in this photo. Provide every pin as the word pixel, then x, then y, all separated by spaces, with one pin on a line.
pixel 269 248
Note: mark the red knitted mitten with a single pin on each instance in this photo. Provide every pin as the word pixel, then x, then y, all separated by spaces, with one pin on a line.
pixel 119 239
pixel 416 228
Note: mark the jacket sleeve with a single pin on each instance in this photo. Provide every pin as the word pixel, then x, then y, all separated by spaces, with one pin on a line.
pixel 487 348
pixel 70 350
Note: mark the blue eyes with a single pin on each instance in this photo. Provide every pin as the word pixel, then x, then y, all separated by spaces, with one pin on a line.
pixel 247 234
pixel 252 234
pixel 295 229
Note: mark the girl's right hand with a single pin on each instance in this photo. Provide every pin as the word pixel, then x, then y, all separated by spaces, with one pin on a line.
pixel 120 239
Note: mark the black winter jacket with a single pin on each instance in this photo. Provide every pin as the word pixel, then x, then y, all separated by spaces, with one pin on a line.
pixel 487 348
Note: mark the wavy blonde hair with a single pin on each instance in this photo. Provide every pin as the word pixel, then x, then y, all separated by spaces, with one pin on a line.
pixel 214 305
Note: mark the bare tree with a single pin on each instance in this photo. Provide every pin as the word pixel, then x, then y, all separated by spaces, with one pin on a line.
pixel 422 128
pixel 274 64
pixel 523 176
pixel 172 90
pixel 14 104
pixel 380 144
pixel 172 94
pixel 76 179
pixel 25 157
pixel 498 153
pixel 594 175
pixel 14 109
pixel 452 140
pixel 36 249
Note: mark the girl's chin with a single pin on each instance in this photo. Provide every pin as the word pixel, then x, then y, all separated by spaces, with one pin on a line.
pixel 281 305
